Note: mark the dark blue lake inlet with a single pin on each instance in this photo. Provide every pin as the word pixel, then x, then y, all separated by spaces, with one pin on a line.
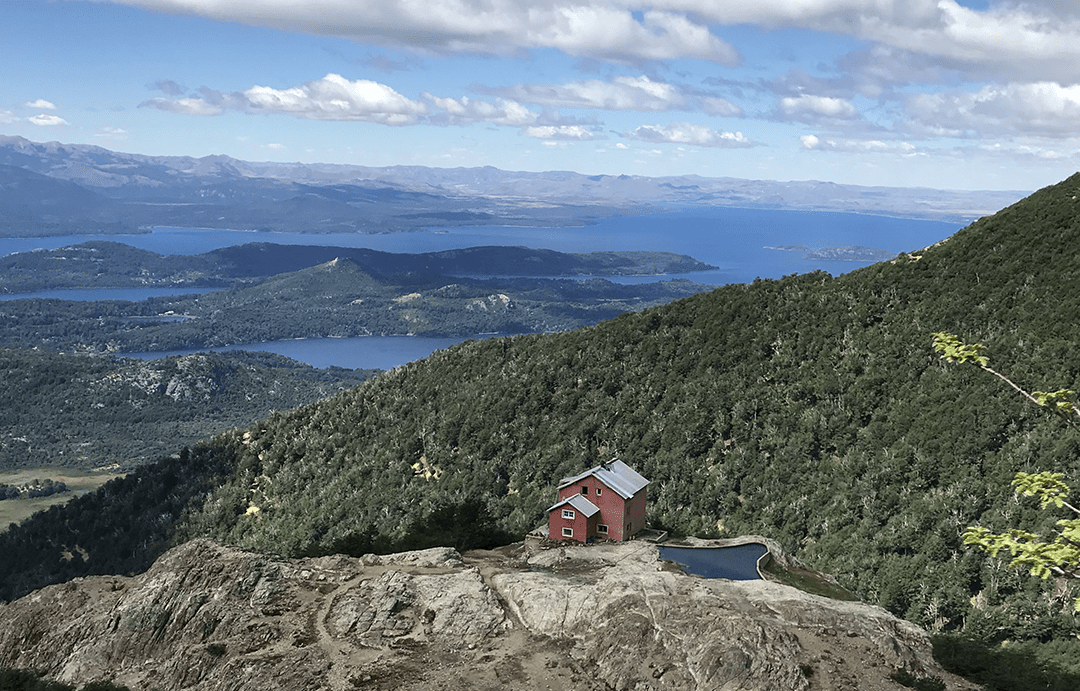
pixel 737 563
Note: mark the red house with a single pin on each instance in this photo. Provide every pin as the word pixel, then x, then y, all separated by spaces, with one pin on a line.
pixel 607 501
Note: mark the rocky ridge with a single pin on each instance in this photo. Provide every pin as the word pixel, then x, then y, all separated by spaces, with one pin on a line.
pixel 611 616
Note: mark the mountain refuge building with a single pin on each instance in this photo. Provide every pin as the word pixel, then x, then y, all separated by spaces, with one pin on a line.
pixel 607 501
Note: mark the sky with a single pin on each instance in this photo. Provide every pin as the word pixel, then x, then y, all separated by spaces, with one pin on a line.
pixel 969 94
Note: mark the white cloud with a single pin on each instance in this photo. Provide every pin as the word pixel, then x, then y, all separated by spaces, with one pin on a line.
pixel 688 133
pixel 1020 38
pixel 561 132
pixel 1012 151
pixel 1045 109
pixel 619 93
pixel 809 108
pixel 721 107
pixel 112 133
pixel 612 29
pixel 465 110
pixel 335 98
pixel 331 98
pixel 183 106
pixel 41 104
pixel 43 120
pixel 613 32
pixel 6 116
pixel 815 143
pixel 1029 40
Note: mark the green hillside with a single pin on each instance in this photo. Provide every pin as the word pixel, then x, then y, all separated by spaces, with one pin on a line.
pixel 810 409
pixel 334 299
pixel 84 411
pixel 102 264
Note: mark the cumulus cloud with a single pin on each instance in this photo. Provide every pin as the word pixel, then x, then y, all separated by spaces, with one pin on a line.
pixel 721 107
pixel 808 108
pixel 619 93
pixel 465 110
pixel 183 106
pixel 336 98
pixel 1021 38
pixel 331 98
pixel 574 133
pixel 611 30
pixel 1045 109
pixel 7 116
pixel 815 143
pixel 168 86
pixel 1013 151
pixel 1031 40
pixel 112 133
pixel 44 120
pixel 41 104
pixel 688 133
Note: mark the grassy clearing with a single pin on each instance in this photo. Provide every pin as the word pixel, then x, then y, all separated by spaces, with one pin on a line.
pixel 808 581
pixel 78 482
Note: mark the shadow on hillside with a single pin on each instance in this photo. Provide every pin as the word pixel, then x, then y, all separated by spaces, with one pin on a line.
pixel 1010 666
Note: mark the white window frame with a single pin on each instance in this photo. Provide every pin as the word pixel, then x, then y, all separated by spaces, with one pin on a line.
pixel 599 491
pixel 601 528
pixel 568 532
pixel 569 514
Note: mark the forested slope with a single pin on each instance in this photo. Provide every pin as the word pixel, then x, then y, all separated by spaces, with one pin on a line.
pixel 83 411
pixel 810 409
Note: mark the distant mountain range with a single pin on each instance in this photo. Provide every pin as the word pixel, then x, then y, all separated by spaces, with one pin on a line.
pixel 57 189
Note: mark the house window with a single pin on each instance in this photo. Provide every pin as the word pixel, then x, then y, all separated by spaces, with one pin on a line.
pixel 599 491
pixel 601 528
pixel 568 513
pixel 568 532
pixel 584 489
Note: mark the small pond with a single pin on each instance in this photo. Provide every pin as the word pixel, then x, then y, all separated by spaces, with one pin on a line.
pixel 737 563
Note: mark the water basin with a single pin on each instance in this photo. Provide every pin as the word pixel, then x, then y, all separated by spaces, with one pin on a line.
pixel 738 563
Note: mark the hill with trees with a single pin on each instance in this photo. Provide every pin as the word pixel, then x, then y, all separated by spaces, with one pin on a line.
pixel 811 409
pixel 103 264
pixel 86 411
pixel 332 300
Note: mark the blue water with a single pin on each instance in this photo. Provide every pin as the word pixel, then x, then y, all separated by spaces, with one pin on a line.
pixel 733 563
pixel 734 240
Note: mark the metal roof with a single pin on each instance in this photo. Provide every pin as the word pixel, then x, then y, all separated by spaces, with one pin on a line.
pixel 621 478
pixel 579 502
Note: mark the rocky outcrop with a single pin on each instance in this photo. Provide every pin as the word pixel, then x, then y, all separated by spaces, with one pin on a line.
pixel 614 616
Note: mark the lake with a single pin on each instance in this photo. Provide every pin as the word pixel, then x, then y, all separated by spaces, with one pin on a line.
pixel 737 563
pixel 737 241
